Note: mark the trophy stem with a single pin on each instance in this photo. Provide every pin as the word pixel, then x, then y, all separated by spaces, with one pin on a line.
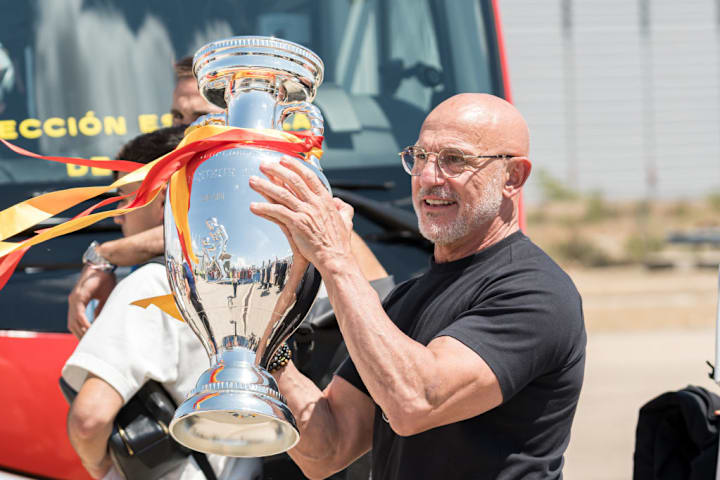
pixel 235 410
pixel 251 103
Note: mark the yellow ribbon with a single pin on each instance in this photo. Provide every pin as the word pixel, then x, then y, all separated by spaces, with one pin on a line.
pixel 24 215
pixel 166 303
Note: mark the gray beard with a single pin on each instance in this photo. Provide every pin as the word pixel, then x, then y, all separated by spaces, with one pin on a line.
pixel 470 217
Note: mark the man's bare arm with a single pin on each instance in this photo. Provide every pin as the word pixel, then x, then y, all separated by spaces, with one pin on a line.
pixel 135 249
pixel 335 424
pixel 90 424
pixel 418 387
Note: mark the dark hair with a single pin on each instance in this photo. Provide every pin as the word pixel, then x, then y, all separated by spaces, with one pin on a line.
pixel 183 67
pixel 147 147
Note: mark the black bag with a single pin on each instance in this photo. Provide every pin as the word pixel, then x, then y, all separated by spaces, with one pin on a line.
pixel 677 436
pixel 140 444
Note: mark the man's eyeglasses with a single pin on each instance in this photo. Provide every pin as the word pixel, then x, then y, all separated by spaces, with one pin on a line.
pixel 452 161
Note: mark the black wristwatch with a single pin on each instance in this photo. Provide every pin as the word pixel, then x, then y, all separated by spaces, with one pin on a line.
pixel 92 258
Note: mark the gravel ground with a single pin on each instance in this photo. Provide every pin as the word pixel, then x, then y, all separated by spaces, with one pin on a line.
pixel 648 333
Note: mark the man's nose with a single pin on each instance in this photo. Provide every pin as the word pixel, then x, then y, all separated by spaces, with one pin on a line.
pixel 119 219
pixel 430 174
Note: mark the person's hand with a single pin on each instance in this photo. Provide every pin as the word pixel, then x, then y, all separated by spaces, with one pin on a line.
pixel 93 284
pixel 318 226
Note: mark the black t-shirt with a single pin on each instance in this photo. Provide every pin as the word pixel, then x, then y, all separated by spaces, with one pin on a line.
pixel 521 313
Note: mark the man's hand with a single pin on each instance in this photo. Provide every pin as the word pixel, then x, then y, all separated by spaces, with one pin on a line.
pixel 318 225
pixel 93 284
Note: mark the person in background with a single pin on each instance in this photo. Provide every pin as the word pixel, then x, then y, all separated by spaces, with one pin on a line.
pixel 471 370
pixel 128 345
pixel 97 283
pixel 187 103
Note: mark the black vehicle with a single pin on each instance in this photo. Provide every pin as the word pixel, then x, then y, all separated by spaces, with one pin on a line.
pixel 82 77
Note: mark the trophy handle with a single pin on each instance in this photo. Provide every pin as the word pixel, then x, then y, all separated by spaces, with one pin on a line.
pixel 208 119
pixel 314 116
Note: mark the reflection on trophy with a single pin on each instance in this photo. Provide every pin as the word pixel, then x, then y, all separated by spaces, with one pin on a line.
pixel 216 242
pixel 241 291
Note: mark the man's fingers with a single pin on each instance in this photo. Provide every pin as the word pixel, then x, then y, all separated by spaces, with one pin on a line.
pixel 274 193
pixel 272 211
pixel 342 206
pixel 266 197
pixel 99 306
pixel 345 210
pixel 78 324
pixel 290 179
pixel 93 284
pixel 309 177
pixel 80 318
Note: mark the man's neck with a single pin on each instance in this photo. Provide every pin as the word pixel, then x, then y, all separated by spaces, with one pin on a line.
pixel 475 241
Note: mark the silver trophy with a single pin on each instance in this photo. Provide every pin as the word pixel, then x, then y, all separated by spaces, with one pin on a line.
pixel 241 291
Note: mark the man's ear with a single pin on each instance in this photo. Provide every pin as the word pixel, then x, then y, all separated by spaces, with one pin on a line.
pixel 162 193
pixel 518 171
pixel 160 201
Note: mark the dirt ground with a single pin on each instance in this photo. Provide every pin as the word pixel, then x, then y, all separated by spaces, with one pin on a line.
pixel 648 332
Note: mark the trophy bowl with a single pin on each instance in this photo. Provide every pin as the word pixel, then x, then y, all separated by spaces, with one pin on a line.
pixel 241 291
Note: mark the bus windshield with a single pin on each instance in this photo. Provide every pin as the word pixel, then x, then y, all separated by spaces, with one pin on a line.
pixel 81 78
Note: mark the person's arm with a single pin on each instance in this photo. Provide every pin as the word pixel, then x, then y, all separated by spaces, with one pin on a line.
pixel 92 284
pixel 418 387
pixel 371 267
pixel 335 424
pixel 90 421
pixel 97 284
pixel 135 249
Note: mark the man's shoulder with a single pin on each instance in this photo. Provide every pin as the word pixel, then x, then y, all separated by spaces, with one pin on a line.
pixel 400 289
pixel 514 260
pixel 525 278
pixel 147 281
pixel 539 279
pixel 530 258
pixel 145 278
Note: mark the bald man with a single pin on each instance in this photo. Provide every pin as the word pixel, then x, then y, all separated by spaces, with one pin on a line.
pixel 472 370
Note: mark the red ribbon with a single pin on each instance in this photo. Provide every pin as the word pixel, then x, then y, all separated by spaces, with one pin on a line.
pixel 118 165
pixel 161 172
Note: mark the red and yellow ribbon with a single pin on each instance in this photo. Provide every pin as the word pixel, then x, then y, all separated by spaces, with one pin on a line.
pixel 176 168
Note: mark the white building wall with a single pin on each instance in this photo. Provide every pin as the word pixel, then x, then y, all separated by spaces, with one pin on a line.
pixel 619 101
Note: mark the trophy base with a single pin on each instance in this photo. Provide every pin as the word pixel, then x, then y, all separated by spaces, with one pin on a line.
pixel 236 419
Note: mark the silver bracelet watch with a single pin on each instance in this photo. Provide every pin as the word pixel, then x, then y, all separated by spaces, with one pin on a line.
pixel 92 258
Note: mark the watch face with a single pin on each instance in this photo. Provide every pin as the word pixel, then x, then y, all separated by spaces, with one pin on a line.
pixel 92 257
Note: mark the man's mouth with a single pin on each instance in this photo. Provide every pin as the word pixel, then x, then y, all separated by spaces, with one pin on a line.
pixel 437 203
